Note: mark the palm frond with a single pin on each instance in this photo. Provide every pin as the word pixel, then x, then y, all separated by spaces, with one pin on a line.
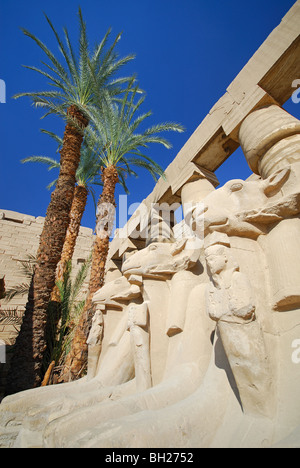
pixel 61 72
pixel 100 48
pixel 68 59
pixel 52 184
pixel 50 162
pixel 11 317
pixel 73 64
pixel 17 291
pixel 80 278
pixel 155 170
pixel 79 74
pixel 26 268
pixel 89 169
pixel 71 308
pixel 54 81
pixel 117 126
pixel 54 136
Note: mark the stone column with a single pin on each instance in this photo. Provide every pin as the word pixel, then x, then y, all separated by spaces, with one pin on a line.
pixel 192 187
pixel 196 188
pixel 270 139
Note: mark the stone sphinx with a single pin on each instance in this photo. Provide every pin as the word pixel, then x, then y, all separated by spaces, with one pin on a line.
pixel 246 208
pixel 37 407
pixel 126 352
pixel 192 345
pixel 112 347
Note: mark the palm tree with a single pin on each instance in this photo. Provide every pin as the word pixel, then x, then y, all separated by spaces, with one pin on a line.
pixel 87 176
pixel 71 304
pixel 121 150
pixel 73 91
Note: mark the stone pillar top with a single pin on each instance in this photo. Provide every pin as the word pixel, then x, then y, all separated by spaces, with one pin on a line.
pixel 262 129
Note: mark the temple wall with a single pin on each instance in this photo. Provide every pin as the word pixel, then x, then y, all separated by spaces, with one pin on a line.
pixel 19 238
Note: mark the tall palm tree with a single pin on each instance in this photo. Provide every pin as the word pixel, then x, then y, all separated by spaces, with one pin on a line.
pixel 87 176
pixel 73 82
pixel 71 304
pixel 121 150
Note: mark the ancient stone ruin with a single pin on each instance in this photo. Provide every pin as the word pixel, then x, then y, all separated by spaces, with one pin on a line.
pixel 196 337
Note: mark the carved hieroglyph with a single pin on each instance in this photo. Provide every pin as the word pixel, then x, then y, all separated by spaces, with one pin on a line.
pixel 194 346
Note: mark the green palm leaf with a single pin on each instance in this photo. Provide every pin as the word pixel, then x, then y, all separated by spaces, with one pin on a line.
pixel 117 128
pixel 80 74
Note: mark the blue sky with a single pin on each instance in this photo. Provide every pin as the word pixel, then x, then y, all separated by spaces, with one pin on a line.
pixel 187 53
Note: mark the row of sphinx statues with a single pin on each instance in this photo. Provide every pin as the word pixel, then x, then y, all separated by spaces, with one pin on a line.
pixel 192 341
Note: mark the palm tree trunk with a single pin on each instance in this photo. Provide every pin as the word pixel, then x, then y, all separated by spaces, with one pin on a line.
pixel 77 358
pixel 26 366
pixel 77 210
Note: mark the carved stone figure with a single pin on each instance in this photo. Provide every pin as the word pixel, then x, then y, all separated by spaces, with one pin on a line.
pixel 94 342
pixel 163 261
pixel 231 304
pixel 230 298
pixel 138 323
pixel 113 298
